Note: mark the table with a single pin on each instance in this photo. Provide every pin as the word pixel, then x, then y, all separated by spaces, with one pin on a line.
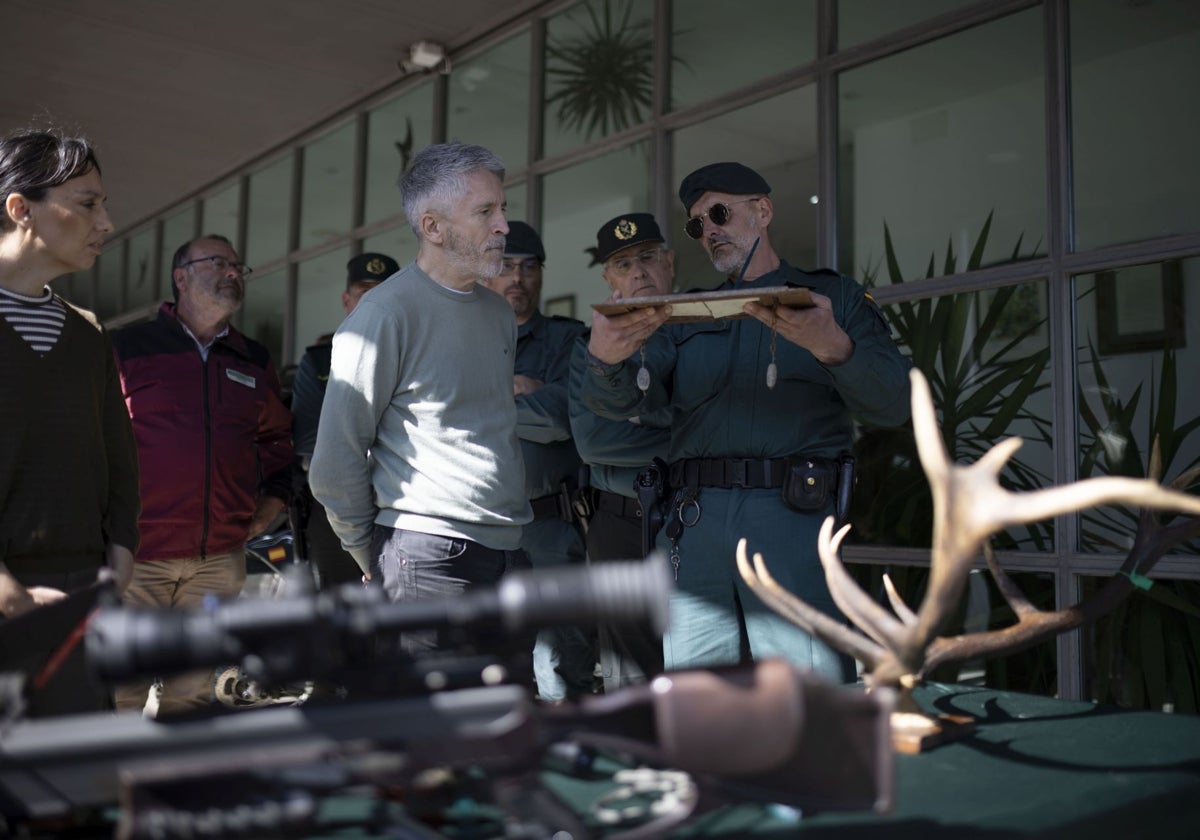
pixel 1034 767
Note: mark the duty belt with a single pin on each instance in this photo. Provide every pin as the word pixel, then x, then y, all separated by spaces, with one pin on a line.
pixel 615 503
pixel 556 506
pixel 747 473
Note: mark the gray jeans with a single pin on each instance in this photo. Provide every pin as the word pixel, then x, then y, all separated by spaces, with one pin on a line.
pixel 412 566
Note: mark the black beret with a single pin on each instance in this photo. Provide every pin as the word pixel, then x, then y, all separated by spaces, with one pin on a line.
pixel 523 239
pixel 370 268
pixel 728 177
pixel 624 231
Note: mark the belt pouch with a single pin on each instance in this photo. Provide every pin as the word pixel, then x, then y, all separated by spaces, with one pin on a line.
pixel 809 484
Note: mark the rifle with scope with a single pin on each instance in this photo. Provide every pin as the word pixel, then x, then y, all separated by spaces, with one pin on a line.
pixel 764 733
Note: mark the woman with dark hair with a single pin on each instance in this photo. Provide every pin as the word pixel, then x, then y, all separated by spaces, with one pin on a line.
pixel 68 463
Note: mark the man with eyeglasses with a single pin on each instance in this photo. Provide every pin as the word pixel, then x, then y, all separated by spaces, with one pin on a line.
pixel 334 565
pixel 564 660
pixel 635 262
pixel 761 424
pixel 214 448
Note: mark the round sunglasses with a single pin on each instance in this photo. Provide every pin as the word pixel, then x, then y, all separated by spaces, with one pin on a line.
pixel 719 214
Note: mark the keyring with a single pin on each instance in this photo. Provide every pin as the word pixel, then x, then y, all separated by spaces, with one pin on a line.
pixel 682 515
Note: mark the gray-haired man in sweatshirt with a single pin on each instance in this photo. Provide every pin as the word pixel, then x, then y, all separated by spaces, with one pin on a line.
pixel 417 459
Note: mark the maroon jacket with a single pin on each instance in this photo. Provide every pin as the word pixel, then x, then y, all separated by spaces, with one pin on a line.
pixel 211 435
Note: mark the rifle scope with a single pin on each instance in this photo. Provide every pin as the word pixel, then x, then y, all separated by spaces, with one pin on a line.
pixel 125 643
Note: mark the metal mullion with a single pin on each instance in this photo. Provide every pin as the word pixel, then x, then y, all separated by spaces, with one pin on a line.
pixel 1060 314
pixel 535 142
pixel 662 162
pixel 827 136
pixel 358 188
pixel 292 292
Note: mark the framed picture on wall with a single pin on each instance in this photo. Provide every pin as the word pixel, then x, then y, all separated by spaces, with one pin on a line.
pixel 563 305
pixel 1140 308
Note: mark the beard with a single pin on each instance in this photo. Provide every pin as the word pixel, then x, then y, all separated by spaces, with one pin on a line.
pixel 730 258
pixel 481 262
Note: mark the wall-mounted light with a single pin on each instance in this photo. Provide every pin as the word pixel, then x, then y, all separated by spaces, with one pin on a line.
pixel 424 57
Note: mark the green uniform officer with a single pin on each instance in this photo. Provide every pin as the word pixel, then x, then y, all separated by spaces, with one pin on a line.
pixel 636 263
pixel 563 657
pixel 761 409
pixel 334 564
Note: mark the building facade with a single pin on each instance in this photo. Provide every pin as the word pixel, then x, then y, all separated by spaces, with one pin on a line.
pixel 1015 178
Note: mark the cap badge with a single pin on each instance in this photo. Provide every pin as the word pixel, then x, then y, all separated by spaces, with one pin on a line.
pixel 625 229
pixel 376 266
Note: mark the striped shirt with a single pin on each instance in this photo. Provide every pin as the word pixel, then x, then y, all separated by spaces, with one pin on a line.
pixel 38 320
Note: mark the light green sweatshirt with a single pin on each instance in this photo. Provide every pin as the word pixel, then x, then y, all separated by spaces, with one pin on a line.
pixel 418 428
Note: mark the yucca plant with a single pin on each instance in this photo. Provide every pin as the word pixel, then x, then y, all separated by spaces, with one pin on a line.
pixel 968 345
pixel 1146 653
pixel 982 385
pixel 602 81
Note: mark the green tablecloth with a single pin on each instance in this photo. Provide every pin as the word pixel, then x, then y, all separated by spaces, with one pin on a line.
pixel 1034 767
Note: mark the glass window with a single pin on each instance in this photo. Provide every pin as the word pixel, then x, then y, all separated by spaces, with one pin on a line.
pixel 707 61
pixel 270 205
pixel 76 288
pixel 396 131
pixel 326 205
pixel 263 312
pixel 986 357
pixel 219 213
pixel 489 101
pixel 1145 653
pixel 178 229
pixel 110 281
pixel 778 139
pixel 399 243
pixel 1134 162
pixel 941 158
pixel 516 202
pixel 862 20
pixel 319 297
pixel 577 202
pixel 141 280
pixel 1136 335
pixel 599 71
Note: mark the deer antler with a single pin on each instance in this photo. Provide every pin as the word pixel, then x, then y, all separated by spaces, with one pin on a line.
pixel 969 506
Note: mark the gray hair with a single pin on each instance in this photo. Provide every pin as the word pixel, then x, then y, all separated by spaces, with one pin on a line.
pixel 438 176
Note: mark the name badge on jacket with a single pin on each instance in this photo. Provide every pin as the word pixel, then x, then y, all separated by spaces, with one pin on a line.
pixel 239 377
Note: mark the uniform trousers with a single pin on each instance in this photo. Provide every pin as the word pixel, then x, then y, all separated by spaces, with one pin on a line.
pixel 715 618
pixel 629 654
pixel 185 583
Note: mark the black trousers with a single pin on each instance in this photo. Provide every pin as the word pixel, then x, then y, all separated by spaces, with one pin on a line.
pixel 629 654
pixel 71 687
pixel 334 564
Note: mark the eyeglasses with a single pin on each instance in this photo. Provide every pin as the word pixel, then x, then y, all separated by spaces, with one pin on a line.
pixel 523 266
pixel 222 265
pixel 718 213
pixel 623 266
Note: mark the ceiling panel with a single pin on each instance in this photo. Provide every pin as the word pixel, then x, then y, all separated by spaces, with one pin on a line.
pixel 176 94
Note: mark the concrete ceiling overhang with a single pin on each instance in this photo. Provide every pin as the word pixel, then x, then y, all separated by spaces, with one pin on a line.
pixel 177 93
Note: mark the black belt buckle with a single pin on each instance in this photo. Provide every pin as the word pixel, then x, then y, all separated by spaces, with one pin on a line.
pixel 735 472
